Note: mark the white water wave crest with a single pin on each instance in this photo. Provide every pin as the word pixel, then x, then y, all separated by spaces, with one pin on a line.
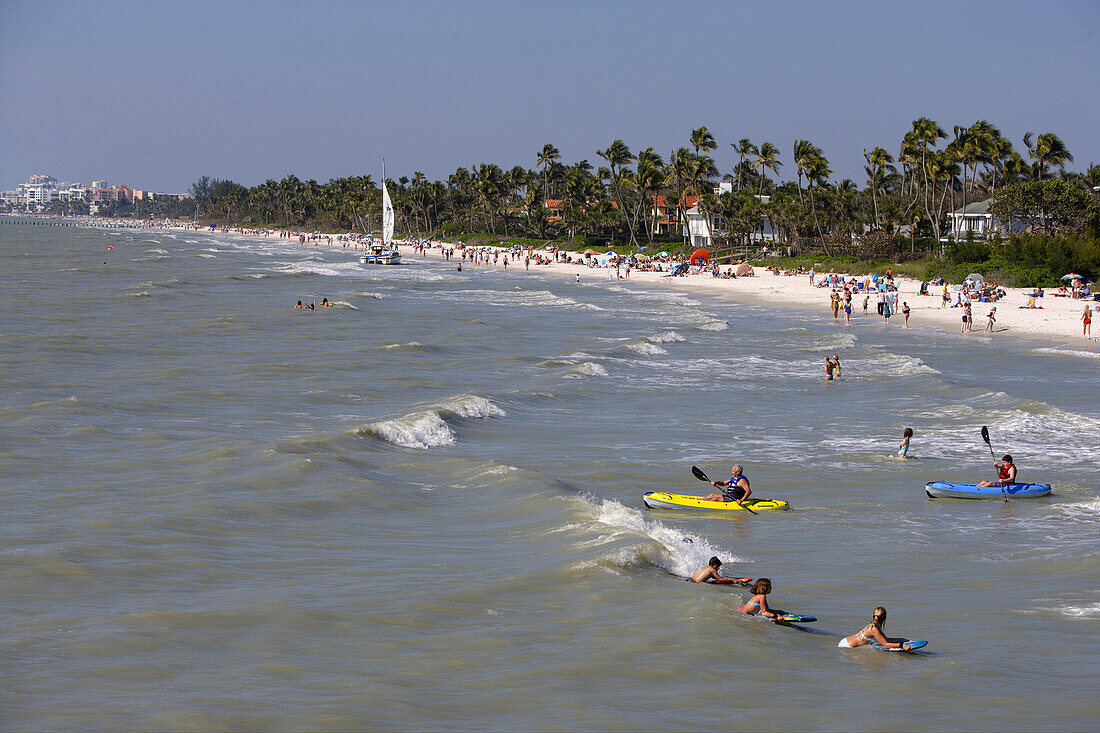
pixel 665 337
pixel 673 550
pixel 428 427
pixel 1067 352
pixel 586 369
pixel 646 349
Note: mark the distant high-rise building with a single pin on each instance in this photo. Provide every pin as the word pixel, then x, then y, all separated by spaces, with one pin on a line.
pixel 42 179
pixel 96 185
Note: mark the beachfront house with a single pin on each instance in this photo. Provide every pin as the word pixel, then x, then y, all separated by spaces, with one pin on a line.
pixel 976 221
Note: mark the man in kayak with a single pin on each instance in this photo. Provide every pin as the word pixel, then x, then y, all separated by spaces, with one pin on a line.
pixel 737 488
pixel 710 574
pixel 1006 473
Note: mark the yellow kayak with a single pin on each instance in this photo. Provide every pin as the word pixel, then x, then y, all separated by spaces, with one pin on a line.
pixel 662 500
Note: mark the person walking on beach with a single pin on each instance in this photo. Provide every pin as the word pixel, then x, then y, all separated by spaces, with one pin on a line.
pixel 990 320
pixel 1086 322
pixel 887 309
pixel 966 316
pixel 737 487
pixel 905 313
pixel 835 297
pixel 946 297
pixel 866 300
pixel 881 301
pixel 710 574
pixel 847 308
pixel 903 446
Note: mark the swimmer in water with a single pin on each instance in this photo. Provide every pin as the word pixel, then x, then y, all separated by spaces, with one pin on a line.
pixel 759 601
pixel 872 634
pixel 710 574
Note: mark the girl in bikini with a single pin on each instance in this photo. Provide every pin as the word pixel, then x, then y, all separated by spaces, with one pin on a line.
pixel 872 634
pixel 759 601
pixel 903 447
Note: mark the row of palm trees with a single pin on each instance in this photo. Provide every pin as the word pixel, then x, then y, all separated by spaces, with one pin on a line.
pixel 618 199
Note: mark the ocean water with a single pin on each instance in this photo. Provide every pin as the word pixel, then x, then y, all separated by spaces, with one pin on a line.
pixel 421 508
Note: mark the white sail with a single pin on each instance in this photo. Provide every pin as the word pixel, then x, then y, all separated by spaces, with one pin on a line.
pixel 387 213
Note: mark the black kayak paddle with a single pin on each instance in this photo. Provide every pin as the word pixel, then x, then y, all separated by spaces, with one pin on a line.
pixel 985 437
pixel 698 473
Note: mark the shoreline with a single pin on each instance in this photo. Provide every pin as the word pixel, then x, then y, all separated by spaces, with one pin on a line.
pixel 1058 318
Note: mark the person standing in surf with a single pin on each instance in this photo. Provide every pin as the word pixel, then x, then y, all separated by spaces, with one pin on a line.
pixel 872 634
pixel 710 574
pixel 903 446
pixel 737 488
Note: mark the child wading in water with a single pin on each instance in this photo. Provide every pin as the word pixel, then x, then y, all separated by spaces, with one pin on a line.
pixel 903 446
pixel 829 368
pixel 759 601
pixel 872 634
pixel 836 366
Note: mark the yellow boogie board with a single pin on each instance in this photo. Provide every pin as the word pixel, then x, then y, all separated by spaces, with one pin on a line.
pixel 662 500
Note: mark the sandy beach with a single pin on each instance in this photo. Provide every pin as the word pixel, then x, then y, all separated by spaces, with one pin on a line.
pixel 1057 317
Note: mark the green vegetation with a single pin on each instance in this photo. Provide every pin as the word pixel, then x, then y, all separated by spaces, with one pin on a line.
pixel 898 219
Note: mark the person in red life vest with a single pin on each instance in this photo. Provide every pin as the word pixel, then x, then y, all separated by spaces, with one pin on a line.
pixel 1006 473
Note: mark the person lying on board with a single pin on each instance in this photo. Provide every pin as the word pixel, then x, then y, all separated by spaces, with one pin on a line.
pixel 759 601
pixel 872 634
pixel 1006 473
pixel 710 574
pixel 737 488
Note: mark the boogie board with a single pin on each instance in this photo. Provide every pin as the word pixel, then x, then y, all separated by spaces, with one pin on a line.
pixel 793 618
pixel 953 490
pixel 662 500
pixel 913 645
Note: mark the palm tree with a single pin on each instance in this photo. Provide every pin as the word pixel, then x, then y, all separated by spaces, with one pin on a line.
pixel 804 152
pixel 1048 148
pixel 767 159
pixel 744 148
pixel 701 139
pixel 546 157
pixel 928 133
pixel 879 161
pixel 816 168
pixel 618 156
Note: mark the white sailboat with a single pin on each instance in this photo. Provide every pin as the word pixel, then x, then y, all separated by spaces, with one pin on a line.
pixel 385 253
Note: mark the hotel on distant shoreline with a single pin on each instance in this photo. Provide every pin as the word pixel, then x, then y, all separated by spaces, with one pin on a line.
pixel 42 189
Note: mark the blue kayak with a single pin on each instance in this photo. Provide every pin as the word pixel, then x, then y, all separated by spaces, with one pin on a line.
pixel 953 490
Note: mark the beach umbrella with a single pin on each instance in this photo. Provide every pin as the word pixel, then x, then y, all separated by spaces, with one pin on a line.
pixel 744 269
pixel 976 277
pixel 609 253
pixel 1072 276
pixel 662 254
pixel 701 255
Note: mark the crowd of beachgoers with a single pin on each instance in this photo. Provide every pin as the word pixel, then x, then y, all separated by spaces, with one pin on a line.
pixel 1064 312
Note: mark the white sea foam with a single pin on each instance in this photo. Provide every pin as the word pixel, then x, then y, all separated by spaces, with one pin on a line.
pixel 1088 611
pixel 715 325
pixel 586 369
pixel 428 428
pixel 206 256
pixel 423 431
pixel 646 349
pixel 665 337
pixel 376 296
pixel 679 552
pixel 157 251
pixel 471 406
pixel 1067 352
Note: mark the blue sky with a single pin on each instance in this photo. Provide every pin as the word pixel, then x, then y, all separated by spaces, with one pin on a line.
pixel 156 94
